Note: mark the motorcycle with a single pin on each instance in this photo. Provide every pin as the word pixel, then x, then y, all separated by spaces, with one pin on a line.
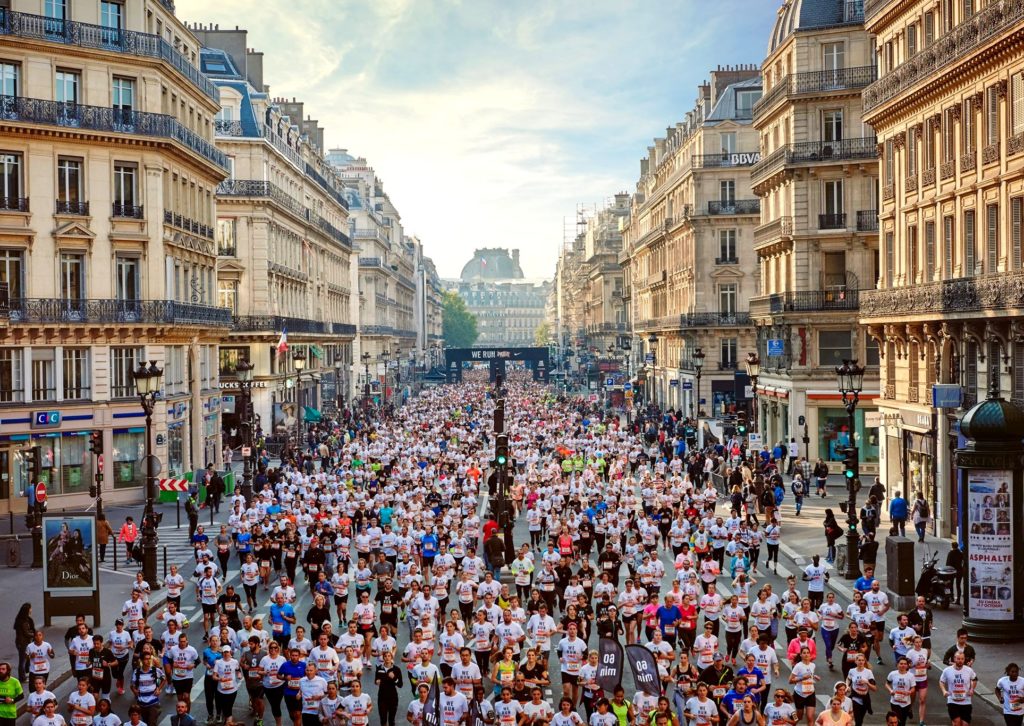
pixel 935 584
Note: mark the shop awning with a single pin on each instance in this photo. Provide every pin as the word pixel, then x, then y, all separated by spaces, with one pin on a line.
pixel 312 415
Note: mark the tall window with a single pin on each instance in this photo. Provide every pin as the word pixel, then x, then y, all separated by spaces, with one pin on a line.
pixel 968 134
pixel 929 145
pixel 12 382
pixel 124 187
pixel 727 192
pixel 227 295
pixel 728 141
pixel 832 125
pixel 834 346
pixel 929 28
pixel 112 19
pixel 727 294
pixel 947 247
pixel 69 183
pixel 911 41
pixel 10 180
pixel 911 154
pixel 12 272
pixel 929 251
pixel 969 248
pixel 834 197
pixel 123 362
pixel 67 84
pixel 968 6
pixel 1016 212
pixel 991 116
pixel 10 74
pixel 57 9
pixel 44 375
pixel 948 146
pixel 76 374
pixel 72 276
pixel 727 245
pixel 226 238
pixel 123 99
pixel 890 259
pixel 127 272
pixel 991 238
pixel 912 255
pixel 1017 93
pixel 890 162
pixel 833 60
pixel 728 352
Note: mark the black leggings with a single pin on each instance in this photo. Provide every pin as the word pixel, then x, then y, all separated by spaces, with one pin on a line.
pixel 732 642
pixel 483 658
pixel 773 554
pixel 860 710
pixel 388 710
pixel 250 594
pixel 225 703
pixel 210 691
pixel 274 696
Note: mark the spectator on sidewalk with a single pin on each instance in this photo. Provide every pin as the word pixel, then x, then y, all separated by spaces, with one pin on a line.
pixel 898 510
pixel 103 534
pixel 955 559
pixel 921 514
pixel 128 534
pixel 869 550
pixel 214 488
pixel 799 489
pixel 24 634
pixel 821 475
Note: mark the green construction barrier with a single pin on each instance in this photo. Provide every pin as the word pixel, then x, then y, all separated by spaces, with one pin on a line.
pixel 170 497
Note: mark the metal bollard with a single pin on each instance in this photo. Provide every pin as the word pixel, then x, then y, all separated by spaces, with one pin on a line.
pixel 166 570
pixel 117 546
pixel 11 516
pixel 177 511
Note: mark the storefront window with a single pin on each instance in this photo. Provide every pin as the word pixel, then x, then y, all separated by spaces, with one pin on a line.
pixel 66 465
pixel 176 450
pixel 834 435
pixel 211 435
pixel 129 458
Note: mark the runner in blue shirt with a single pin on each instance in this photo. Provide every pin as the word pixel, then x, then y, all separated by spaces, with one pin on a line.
pixel 282 615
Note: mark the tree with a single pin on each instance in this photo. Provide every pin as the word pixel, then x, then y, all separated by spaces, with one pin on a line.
pixel 542 334
pixel 458 323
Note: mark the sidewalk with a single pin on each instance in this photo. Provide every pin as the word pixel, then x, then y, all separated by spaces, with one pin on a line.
pixel 804 535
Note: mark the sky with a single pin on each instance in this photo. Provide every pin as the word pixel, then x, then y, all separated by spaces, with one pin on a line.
pixel 489 121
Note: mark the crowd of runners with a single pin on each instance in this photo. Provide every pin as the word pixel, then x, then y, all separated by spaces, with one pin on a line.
pixel 385 522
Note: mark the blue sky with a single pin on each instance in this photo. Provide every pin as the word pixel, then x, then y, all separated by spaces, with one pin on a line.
pixel 489 121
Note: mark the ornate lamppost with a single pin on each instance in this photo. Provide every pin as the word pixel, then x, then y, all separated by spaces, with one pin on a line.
pixel 753 371
pixel 384 356
pixel 698 366
pixel 243 369
pixel 299 364
pixel 653 342
pixel 339 366
pixel 365 357
pixel 147 385
pixel 850 380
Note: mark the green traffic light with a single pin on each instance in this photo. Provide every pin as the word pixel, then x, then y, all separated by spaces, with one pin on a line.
pixel 501 460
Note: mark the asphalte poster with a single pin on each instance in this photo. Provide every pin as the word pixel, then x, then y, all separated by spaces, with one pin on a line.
pixel 990 545
pixel 69 553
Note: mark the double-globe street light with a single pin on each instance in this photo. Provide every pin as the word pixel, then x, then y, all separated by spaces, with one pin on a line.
pixel 299 364
pixel 365 357
pixel 753 372
pixel 147 385
pixel 850 379
pixel 653 343
pixel 243 370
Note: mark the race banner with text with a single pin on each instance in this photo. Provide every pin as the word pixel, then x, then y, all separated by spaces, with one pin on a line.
pixel 609 668
pixel 645 669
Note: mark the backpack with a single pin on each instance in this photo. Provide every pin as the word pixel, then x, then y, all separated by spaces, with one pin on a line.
pixel 798 487
pixel 924 510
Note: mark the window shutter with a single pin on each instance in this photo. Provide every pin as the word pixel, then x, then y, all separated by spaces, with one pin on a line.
pixel 992 239
pixel 1018 103
pixel 912 255
pixel 969 244
pixel 968 10
pixel 947 244
pixel 1018 370
pixel 911 41
pixel 1016 210
pixel 890 259
pixel 972 369
pixel 992 115
pixel 929 28
pixel 929 251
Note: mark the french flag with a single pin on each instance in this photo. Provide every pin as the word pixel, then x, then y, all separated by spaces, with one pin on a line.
pixel 282 343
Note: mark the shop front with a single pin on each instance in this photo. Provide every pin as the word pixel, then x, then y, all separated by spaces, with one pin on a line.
pixel 919 457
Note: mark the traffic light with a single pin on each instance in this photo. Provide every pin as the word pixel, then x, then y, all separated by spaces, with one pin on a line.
pixel 94 491
pixel 741 423
pixel 851 466
pixel 499 416
pixel 96 443
pixel 501 450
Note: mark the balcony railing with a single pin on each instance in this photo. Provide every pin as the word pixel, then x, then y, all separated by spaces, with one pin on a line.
pixel 371 262
pixel 277 323
pixel 85 35
pixel 714 161
pixel 867 220
pixel 727 261
pixel 985 293
pixel 814 300
pixel 840 79
pixel 728 365
pixel 809 152
pixel 64 206
pixel 126 211
pixel 776 228
pixel 14 204
pixel 188 225
pixel 954 46
pixel 113 120
pixel 736 206
pixel 224 127
pixel 702 320
pixel 834 220
pixel 256 188
pixel 69 312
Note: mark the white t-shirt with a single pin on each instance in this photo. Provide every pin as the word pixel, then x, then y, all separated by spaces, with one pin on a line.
pixel 702 711
pixel 903 686
pixel 958 683
pixel 1013 695
pixel 804 673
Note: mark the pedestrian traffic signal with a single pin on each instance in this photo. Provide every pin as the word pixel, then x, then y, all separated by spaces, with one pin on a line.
pixel 741 423
pixel 94 491
pixel 96 443
pixel 851 465
pixel 501 450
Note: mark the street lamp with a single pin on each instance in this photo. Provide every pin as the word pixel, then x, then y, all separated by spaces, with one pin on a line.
pixel 147 385
pixel 299 364
pixel 339 366
pixel 366 379
pixel 753 371
pixel 243 369
pixel 850 379
pixel 653 342
pixel 384 356
pixel 698 366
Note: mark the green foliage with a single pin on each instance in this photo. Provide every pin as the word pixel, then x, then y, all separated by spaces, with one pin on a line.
pixel 542 333
pixel 458 323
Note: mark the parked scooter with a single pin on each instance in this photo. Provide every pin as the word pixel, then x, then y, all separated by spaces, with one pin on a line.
pixel 935 584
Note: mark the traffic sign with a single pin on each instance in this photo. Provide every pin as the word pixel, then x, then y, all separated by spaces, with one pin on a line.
pixel 609 382
pixel 246 451
pixel 687 385
pixel 627 386
pixel 754 440
pixel 776 347
pixel 41 492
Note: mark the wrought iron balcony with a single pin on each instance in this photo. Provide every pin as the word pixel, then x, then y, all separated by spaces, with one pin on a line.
pixel 773 230
pixel 99 37
pixel 986 293
pixel 714 161
pixel 736 206
pixel 834 220
pixel 102 311
pixel 371 262
pixel 867 220
pixel 814 301
pixel 224 127
pixel 257 188
pixel 840 79
pixel 343 329
pixel 113 120
pixel 127 211
pixel 189 225
pixel 956 45
pixel 810 152
pixel 703 320
pixel 278 323
pixel 728 365
pixel 64 206
pixel 14 204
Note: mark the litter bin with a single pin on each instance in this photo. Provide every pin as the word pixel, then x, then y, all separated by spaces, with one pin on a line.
pixel 840 557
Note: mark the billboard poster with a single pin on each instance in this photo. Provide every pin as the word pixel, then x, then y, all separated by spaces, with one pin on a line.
pixel 69 553
pixel 990 545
